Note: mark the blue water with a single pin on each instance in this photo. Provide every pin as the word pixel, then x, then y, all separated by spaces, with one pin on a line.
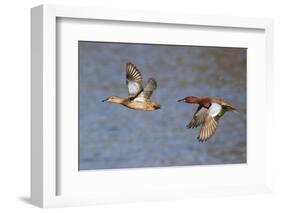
pixel 112 136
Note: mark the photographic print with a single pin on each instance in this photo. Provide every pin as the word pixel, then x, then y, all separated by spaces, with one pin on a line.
pixel 155 105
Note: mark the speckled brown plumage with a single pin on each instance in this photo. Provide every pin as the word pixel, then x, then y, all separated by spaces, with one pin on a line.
pixel 138 97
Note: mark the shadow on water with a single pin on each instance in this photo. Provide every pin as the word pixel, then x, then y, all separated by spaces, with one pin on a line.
pixel 25 199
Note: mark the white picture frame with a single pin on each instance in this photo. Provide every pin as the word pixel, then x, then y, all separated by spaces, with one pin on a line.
pixel 45 168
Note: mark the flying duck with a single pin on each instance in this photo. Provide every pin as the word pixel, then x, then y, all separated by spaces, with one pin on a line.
pixel 207 115
pixel 138 97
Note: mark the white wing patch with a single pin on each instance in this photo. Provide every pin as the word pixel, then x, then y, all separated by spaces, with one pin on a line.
pixel 133 87
pixel 140 99
pixel 215 109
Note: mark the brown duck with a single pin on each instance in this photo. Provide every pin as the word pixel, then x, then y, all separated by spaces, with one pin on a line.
pixel 207 115
pixel 139 97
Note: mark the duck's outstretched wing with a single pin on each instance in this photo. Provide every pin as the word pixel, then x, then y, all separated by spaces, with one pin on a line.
pixel 147 91
pixel 133 80
pixel 208 128
pixel 209 124
pixel 198 117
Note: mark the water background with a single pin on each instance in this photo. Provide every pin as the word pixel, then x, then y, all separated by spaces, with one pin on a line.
pixel 112 136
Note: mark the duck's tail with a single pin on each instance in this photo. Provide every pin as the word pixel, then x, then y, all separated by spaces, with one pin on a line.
pixel 230 108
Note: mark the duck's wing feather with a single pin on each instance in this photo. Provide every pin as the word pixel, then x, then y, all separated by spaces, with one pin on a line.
pixel 227 106
pixel 133 80
pixel 208 128
pixel 198 117
pixel 147 91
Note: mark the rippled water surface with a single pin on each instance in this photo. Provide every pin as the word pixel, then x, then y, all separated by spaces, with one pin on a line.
pixel 112 136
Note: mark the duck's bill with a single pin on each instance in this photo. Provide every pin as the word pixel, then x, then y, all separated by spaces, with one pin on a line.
pixel 104 100
pixel 181 100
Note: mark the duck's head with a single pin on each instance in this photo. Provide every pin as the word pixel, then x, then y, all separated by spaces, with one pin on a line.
pixel 189 99
pixel 113 99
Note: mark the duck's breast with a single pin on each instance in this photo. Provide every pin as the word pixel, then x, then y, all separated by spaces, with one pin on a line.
pixel 139 105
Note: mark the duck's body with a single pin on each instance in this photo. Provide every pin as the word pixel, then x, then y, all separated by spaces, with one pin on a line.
pixel 139 105
pixel 135 104
pixel 207 115
pixel 139 97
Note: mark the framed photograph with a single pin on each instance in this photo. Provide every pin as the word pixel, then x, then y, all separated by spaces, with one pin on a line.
pixel 130 106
